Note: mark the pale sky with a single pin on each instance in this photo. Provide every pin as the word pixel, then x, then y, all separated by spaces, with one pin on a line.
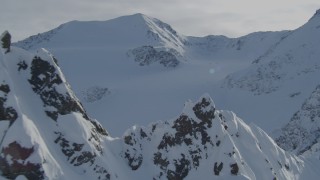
pixel 232 18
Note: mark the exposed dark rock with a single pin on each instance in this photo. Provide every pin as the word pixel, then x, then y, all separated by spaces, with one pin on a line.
pixel 6 113
pixel 103 174
pixel 188 132
pixel 128 140
pixel 17 165
pixel 147 55
pixel 287 167
pixel 69 149
pixel 22 65
pixel 6 41
pixel 98 129
pixel 43 80
pixel 134 161
pixel 204 110
pixel 160 161
pixel 182 167
pixel 195 155
pixel 234 169
pixel 185 129
pixel 133 151
pixel 217 168
pixel 143 134
pixel 166 141
pixel 85 157
pixel 5 88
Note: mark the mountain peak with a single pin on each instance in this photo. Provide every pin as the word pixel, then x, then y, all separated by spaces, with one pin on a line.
pixel 138 15
pixel 316 14
pixel 127 31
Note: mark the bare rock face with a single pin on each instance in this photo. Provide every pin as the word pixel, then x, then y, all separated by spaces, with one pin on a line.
pixel 6 41
pixel 17 155
pixel 43 80
pixel 6 113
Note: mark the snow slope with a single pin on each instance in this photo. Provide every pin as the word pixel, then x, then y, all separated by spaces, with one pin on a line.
pixel 281 79
pixel 47 134
pixel 296 55
pixel 302 132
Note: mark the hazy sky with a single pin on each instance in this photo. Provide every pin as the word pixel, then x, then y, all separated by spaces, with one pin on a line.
pixel 232 18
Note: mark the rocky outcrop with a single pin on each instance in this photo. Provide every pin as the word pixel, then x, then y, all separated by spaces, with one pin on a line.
pixel 13 162
pixel 201 136
pixel 6 113
pixel 147 55
pixel 5 40
pixel 44 81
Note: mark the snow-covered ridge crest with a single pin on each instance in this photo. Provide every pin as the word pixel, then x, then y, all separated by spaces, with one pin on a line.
pixel 207 143
pixel 149 30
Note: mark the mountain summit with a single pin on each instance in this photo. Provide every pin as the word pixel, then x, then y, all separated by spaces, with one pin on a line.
pixel 132 31
pixel 316 15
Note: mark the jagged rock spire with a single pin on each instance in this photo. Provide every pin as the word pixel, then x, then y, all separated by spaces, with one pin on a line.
pixel 5 41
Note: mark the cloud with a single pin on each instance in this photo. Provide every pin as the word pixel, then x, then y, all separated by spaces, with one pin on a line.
pixel 198 18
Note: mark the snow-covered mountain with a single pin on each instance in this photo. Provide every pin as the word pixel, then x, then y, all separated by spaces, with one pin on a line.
pixel 129 33
pixel 139 64
pixel 294 57
pixel 47 134
pixel 140 60
pixel 284 78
